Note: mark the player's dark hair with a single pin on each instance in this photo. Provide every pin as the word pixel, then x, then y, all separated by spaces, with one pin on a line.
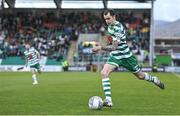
pixel 113 13
pixel 110 11
pixel 105 12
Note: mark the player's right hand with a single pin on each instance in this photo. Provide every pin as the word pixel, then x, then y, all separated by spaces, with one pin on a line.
pixel 96 48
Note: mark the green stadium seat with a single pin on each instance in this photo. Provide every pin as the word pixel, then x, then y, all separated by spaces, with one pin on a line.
pixel 52 62
pixel 164 60
pixel 13 61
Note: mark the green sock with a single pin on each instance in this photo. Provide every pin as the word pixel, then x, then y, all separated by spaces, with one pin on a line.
pixel 107 88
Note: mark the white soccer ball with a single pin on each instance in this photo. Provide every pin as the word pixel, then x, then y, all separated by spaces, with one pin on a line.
pixel 95 103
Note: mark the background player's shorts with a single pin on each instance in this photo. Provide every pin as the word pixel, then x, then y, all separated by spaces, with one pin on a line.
pixel 36 66
pixel 130 63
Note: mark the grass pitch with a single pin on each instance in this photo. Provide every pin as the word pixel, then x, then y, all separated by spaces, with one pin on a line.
pixel 68 94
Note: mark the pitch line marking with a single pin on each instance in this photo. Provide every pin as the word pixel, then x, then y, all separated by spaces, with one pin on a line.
pixel 177 75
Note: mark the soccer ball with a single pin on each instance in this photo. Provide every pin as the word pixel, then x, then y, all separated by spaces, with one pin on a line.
pixel 95 103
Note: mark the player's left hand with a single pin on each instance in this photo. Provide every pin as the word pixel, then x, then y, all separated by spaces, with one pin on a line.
pixel 96 48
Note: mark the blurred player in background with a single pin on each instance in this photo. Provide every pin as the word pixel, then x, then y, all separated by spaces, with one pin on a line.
pixel 32 59
pixel 120 55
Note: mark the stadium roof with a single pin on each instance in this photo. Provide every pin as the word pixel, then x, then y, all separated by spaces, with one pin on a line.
pixel 78 4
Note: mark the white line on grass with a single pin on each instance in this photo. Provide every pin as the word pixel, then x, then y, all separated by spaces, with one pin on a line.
pixel 177 75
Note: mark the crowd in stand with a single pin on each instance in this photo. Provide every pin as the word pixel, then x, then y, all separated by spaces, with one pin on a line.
pixel 52 33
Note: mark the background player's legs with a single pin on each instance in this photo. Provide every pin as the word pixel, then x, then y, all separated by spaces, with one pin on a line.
pixel 39 71
pixel 34 78
pixel 146 76
pixel 107 69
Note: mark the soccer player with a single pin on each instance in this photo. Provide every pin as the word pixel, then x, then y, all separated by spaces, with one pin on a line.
pixel 120 55
pixel 32 59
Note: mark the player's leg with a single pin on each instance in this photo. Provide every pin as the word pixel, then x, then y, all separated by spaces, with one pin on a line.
pixel 39 71
pixel 107 69
pixel 35 68
pixel 34 78
pixel 146 76
pixel 38 68
pixel 132 65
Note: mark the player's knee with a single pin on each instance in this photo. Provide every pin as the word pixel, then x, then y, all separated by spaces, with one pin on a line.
pixel 140 76
pixel 104 74
pixel 39 71
pixel 33 72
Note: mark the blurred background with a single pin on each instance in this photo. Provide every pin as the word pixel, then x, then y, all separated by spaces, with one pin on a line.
pixel 64 31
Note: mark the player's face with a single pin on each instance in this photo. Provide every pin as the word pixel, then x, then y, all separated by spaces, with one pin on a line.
pixel 27 46
pixel 109 19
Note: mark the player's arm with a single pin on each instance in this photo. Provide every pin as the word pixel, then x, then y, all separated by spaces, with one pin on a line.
pixel 39 57
pixel 110 47
pixel 26 61
pixel 107 48
pixel 38 54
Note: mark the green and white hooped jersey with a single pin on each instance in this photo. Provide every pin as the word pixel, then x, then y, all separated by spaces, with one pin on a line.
pixel 118 33
pixel 32 56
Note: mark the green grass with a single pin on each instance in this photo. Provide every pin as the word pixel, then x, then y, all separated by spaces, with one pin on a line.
pixel 68 93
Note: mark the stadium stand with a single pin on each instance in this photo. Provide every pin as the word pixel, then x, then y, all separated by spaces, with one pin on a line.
pixel 53 34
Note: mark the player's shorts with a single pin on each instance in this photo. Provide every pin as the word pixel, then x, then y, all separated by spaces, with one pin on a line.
pixel 130 63
pixel 35 66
